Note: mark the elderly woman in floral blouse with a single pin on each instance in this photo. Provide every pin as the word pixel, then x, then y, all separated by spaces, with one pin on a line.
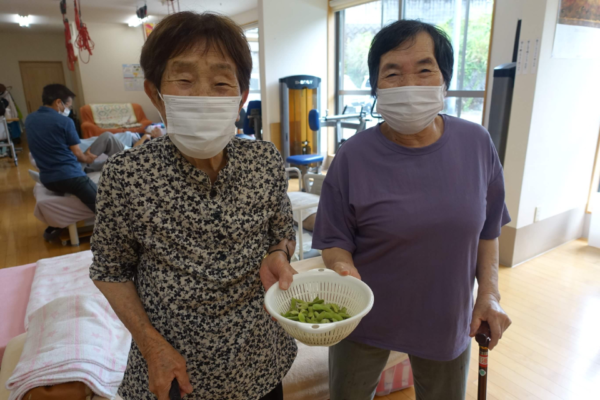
pixel 193 225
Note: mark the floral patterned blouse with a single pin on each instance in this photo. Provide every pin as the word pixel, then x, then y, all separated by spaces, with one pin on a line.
pixel 194 251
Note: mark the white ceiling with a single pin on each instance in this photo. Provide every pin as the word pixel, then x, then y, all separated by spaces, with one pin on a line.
pixel 46 14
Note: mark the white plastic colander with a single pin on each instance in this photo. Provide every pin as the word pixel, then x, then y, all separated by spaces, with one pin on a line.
pixel 345 291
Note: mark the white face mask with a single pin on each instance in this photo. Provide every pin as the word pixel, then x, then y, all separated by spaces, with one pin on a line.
pixel 66 111
pixel 201 127
pixel 410 109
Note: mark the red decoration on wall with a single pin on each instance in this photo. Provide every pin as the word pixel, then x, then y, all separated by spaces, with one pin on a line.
pixel 71 58
pixel 83 41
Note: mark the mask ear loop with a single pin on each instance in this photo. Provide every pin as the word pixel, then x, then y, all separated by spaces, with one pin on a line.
pixel 159 114
pixel 376 116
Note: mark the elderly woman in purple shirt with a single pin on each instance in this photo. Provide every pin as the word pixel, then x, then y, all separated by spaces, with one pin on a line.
pixel 414 207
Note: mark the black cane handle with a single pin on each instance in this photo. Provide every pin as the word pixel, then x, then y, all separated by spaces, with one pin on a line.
pixel 174 393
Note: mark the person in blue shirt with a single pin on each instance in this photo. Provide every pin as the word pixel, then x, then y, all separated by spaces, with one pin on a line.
pixel 57 150
pixel 54 144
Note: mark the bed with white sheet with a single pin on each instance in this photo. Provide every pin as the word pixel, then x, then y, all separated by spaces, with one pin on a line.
pixel 56 280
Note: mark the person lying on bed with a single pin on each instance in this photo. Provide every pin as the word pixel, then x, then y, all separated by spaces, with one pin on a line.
pixel 111 143
pixel 193 227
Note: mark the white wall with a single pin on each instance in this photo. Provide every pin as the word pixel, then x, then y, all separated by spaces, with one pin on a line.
pixel 506 15
pixel 23 46
pixel 293 41
pixel 564 129
pixel 246 17
pixel 521 112
pixel 102 77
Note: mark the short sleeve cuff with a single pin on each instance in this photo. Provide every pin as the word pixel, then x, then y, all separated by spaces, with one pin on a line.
pixel 341 244
pixel 110 273
pixel 276 237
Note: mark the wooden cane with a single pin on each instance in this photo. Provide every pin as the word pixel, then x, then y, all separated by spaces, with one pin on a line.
pixel 483 338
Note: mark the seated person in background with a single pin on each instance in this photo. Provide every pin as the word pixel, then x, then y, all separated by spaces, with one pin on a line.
pixel 54 145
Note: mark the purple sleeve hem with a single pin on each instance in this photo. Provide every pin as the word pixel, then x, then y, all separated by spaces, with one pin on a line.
pixel 495 235
pixel 336 243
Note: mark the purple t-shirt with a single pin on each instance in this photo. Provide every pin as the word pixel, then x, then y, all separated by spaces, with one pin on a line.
pixel 412 218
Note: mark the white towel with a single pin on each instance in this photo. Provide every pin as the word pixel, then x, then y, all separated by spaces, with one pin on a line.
pixel 73 338
pixel 300 200
pixel 60 276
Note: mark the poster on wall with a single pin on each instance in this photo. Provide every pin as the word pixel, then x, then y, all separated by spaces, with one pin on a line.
pixel 133 78
pixel 577 30
pixel 148 27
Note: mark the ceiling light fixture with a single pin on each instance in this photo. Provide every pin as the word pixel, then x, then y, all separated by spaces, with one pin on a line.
pixel 24 20
pixel 135 21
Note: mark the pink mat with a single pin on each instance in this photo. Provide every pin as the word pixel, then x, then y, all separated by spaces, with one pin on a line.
pixel 14 296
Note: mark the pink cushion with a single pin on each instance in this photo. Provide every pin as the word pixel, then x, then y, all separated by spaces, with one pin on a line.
pixel 398 377
pixel 14 296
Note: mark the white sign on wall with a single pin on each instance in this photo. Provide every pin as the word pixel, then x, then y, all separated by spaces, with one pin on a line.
pixel 133 78
pixel 526 58
pixel 577 30
pixel 536 55
pixel 520 58
pixel 571 41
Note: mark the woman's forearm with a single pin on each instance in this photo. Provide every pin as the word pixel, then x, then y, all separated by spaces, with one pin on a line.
pixel 126 303
pixel 340 261
pixel 335 256
pixel 487 268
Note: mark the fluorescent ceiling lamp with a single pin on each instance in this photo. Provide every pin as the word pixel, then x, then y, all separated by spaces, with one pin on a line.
pixel 135 21
pixel 24 20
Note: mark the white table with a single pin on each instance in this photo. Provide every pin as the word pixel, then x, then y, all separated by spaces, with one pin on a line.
pixel 309 200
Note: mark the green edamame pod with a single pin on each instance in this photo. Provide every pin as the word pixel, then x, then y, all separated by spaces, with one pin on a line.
pixel 325 315
pixel 316 311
